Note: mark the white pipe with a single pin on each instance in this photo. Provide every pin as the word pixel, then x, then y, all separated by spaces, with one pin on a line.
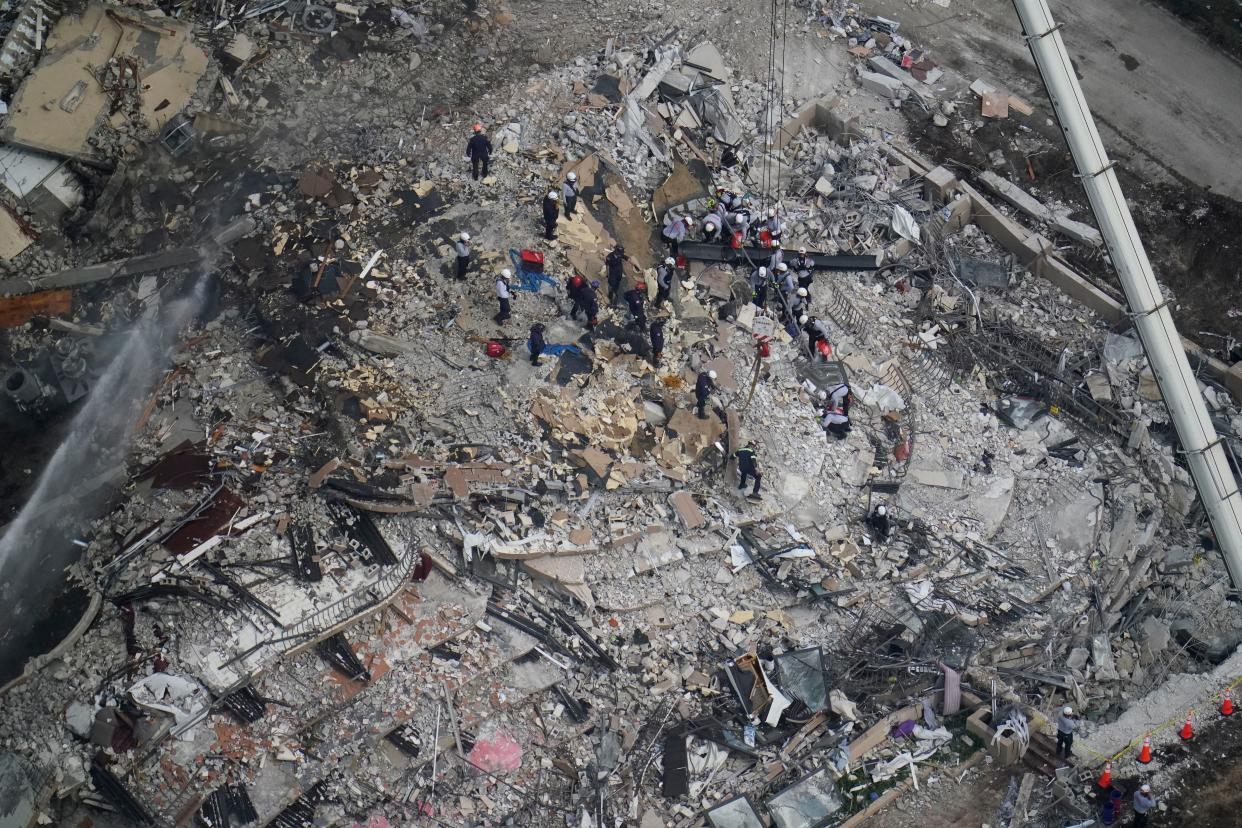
pixel 1204 453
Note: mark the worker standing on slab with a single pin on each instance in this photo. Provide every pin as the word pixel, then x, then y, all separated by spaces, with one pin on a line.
pixel 614 262
pixel 590 305
pixel 778 255
pixel 551 212
pixel 704 385
pixel 479 151
pixel 748 466
pixel 816 331
pixel 878 521
pixel 676 231
pixel 1066 724
pixel 665 273
pixel 574 287
pixel 1144 802
pixel 657 341
pixel 739 226
pixel 536 343
pixel 503 296
pixel 785 280
pixel 462 248
pixel 759 281
pixel 636 300
pixel 569 193
pixel 804 269
pixel 797 310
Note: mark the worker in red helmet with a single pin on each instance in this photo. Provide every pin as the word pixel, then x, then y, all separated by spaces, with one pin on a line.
pixel 636 300
pixel 479 151
pixel 575 285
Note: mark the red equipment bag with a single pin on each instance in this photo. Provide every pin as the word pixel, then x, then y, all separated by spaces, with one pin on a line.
pixel 737 239
pixel 495 349
pixel 765 238
pixel 825 350
pixel 532 260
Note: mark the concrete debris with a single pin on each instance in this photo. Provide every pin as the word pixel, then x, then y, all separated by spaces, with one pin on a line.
pixel 337 524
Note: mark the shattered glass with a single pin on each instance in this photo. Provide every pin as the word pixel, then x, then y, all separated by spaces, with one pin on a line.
pixel 736 813
pixel 802 676
pixel 808 803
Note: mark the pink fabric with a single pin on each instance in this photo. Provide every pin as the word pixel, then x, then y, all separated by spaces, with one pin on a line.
pixel 496 754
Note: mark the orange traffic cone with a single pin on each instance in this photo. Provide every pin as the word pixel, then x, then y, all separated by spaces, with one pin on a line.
pixel 1226 706
pixel 1106 778
pixel 1145 751
pixel 1188 732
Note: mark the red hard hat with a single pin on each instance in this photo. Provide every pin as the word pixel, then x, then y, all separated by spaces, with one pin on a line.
pixel 641 285
pixel 577 281
pixel 478 127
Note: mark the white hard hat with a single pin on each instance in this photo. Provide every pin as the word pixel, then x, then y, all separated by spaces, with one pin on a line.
pixel 553 195
pixel 1146 788
pixel 1067 710
pixel 771 212
pixel 689 219
pixel 670 261
pixel 881 509
pixel 802 292
pixel 506 273
pixel 738 217
pixel 782 267
pixel 802 250
pixel 823 395
pixel 802 319
pixel 573 176
pixel 711 374
pixel 465 236
pixel 709 226
pixel 763 271
pixel 775 244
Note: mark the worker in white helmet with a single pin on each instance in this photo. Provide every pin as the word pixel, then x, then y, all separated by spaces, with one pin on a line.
pixel 1066 725
pixel 503 295
pixel 569 193
pixel 675 233
pixel 713 226
pixel 551 212
pixel 1144 802
pixel 665 273
pixel 704 385
pixel 462 249
pixel 774 225
pixel 803 267
pixel 759 281
pixel 878 521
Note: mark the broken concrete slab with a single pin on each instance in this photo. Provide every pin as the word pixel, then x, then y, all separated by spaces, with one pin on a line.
pixel 881 85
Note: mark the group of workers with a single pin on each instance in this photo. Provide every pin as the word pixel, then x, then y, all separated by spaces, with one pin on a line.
pixel 729 221
pixel 1143 801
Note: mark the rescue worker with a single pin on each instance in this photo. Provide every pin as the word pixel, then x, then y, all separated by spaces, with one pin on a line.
pixel 551 211
pixel 590 306
pixel 748 466
pixel 574 287
pixel 657 341
pixel 759 285
pixel 836 422
pixel 1144 803
pixel 569 192
pixel 703 388
pixel 712 225
pixel 798 306
pixel 804 268
pixel 778 255
pixel 503 296
pixel 675 233
pixel 840 396
pixel 774 226
pixel 816 331
pixel 728 201
pixel 664 280
pixel 785 278
pixel 615 263
pixel 479 151
pixel 878 521
pixel 536 343
pixel 740 224
pixel 462 248
pixel 636 300
pixel 1066 725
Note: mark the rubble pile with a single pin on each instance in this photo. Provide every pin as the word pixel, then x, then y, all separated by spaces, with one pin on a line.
pixel 370 562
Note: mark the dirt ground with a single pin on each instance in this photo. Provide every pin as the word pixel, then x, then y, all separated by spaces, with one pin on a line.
pixel 949 804
pixel 1208 790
